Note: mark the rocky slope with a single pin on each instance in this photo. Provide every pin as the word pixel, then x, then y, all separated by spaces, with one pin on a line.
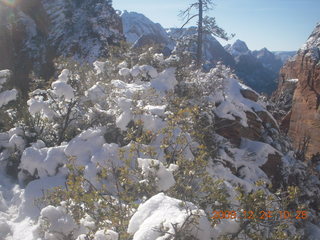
pixel 35 32
pixel 304 116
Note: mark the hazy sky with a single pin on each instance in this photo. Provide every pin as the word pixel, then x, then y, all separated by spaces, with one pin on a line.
pixel 275 24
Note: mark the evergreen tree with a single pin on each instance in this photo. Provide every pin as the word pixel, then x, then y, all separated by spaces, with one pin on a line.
pixel 205 25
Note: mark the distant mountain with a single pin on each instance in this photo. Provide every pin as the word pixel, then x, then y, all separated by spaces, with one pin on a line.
pixel 238 48
pixel 258 69
pixel 268 59
pixel 284 55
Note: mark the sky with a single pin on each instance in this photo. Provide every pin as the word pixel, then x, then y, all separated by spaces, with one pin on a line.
pixel 279 25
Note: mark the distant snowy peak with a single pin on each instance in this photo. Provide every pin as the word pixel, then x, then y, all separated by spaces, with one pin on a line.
pixel 238 48
pixel 137 27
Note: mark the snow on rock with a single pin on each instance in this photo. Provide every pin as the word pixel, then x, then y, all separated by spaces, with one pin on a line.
pixel 164 177
pixel 147 70
pixel 106 235
pixel 233 105
pixel 17 142
pixel 135 71
pixel 161 210
pixel 295 80
pixel 124 72
pixel 44 161
pixel 8 96
pixel 156 110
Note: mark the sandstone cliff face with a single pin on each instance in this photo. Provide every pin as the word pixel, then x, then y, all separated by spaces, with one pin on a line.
pixel 304 117
pixel 33 33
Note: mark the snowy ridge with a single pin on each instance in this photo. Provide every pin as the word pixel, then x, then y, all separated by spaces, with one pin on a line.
pixel 312 46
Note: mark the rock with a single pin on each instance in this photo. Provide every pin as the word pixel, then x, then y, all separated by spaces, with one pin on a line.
pixel 234 131
pixel 304 70
pixel 273 169
pixel 249 94
pixel 285 122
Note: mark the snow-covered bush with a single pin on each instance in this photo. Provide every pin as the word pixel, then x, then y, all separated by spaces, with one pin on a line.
pixel 6 96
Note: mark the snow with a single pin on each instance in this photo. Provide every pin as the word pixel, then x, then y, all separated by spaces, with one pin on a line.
pixel 5 73
pixel 44 161
pixel 164 177
pixel 156 110
pixel 233 105
pixel 124 72
pixel 135 71
pixel 238 48
pixel 166 80
pixel 96 92
pixel 147 70
pixel 38 106
pixel 58 220
pixel 61 88
pixel 106 235
pixel 135 25
pixel 295 80
pixel 8 96
pixel 161 210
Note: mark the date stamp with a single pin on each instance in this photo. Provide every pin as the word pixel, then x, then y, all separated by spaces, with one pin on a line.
pixel 263 215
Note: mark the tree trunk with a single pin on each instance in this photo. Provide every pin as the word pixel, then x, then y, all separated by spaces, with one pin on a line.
pixel 200 32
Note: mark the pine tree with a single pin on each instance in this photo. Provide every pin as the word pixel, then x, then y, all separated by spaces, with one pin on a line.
pixel 205 25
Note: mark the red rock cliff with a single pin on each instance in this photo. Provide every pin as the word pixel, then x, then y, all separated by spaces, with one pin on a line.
pixel 304 120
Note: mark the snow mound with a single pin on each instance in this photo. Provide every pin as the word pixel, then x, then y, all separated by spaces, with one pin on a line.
pixel 44 162
pixel 58 220
pixel 166 212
